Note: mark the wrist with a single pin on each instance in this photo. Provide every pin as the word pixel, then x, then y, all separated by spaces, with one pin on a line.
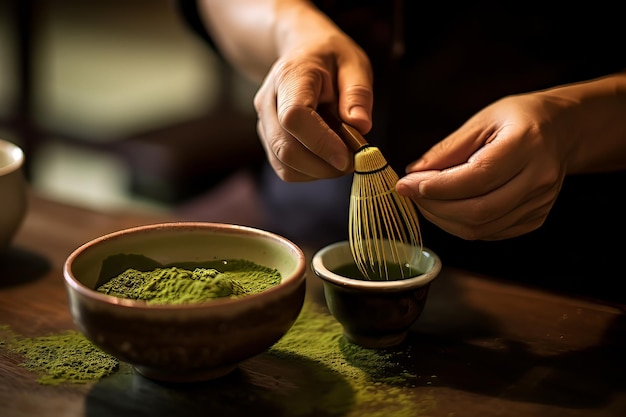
pixel 594 124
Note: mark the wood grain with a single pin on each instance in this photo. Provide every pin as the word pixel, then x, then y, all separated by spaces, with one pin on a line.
pixel 483 347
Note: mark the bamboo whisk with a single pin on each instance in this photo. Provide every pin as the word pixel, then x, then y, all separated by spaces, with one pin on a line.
pixel 383 229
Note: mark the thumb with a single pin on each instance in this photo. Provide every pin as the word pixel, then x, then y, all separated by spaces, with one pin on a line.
pixel 410 185
pixel 356 97
pixel 355 108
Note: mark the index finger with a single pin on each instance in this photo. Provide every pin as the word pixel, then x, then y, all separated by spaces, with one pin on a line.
pixel 298 94
pixel 492 166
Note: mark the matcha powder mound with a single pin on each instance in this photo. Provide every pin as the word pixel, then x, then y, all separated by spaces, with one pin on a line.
pixel 66 357
pixel 174 285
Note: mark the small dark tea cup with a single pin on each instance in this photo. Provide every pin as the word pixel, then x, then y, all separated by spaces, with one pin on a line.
pixel 373 313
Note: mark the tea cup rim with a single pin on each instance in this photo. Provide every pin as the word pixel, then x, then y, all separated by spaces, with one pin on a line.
pixel 322 271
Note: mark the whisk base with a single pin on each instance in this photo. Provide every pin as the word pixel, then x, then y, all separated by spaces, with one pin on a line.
pixel 379 342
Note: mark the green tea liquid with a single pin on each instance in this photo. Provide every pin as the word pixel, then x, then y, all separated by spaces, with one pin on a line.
pixel 393 272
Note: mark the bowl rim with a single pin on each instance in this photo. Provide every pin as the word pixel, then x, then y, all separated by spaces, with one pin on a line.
pixel 16 156
pixel 72 282
pixel 328 276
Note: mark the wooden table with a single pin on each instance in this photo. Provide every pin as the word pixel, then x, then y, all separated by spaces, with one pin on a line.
pixel 483 347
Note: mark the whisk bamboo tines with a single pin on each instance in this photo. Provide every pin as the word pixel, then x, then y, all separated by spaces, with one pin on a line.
pixel 383 229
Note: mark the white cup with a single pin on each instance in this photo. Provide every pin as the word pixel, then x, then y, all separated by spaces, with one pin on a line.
pixel 12 191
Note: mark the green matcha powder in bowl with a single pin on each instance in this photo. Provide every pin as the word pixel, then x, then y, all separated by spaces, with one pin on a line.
pixel 179 286
pixel 191 341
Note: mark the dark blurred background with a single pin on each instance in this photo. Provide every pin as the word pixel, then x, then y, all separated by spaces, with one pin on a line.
pixel 117 104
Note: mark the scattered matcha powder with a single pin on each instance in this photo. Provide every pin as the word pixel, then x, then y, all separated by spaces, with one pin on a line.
pixel 381 386
pixel 65 357
pixel 175 285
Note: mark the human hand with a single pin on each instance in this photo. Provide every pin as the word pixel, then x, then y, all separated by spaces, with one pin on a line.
pixel 497 176
pixel 317 66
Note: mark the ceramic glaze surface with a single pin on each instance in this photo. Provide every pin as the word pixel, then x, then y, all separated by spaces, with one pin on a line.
pixel 185 342
pixel 374 314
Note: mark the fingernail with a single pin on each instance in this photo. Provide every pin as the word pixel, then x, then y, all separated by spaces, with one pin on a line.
pixel 420 188
pixel 407 187
pixel 403 187
pixel 358 112
pixel 340 162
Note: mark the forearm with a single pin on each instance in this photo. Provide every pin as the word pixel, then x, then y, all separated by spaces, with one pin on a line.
pixel 252 34
pixel 596 124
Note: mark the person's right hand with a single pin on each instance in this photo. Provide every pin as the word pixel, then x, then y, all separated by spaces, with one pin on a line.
pixel 317 64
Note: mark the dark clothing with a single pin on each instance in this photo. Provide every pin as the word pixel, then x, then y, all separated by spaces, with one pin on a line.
pixel 455 61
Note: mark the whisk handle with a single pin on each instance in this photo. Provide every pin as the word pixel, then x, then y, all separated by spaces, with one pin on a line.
pixel 350 136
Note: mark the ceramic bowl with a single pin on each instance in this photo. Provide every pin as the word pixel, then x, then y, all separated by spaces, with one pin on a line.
pixel 184 342
pixel 12 192
pixel 373 314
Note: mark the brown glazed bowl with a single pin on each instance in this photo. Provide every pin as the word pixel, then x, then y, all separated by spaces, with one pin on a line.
pixel 373 314
pixel 13 190
pixel 184 342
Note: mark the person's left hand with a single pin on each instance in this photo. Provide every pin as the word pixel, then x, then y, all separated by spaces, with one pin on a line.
pixel 497 176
